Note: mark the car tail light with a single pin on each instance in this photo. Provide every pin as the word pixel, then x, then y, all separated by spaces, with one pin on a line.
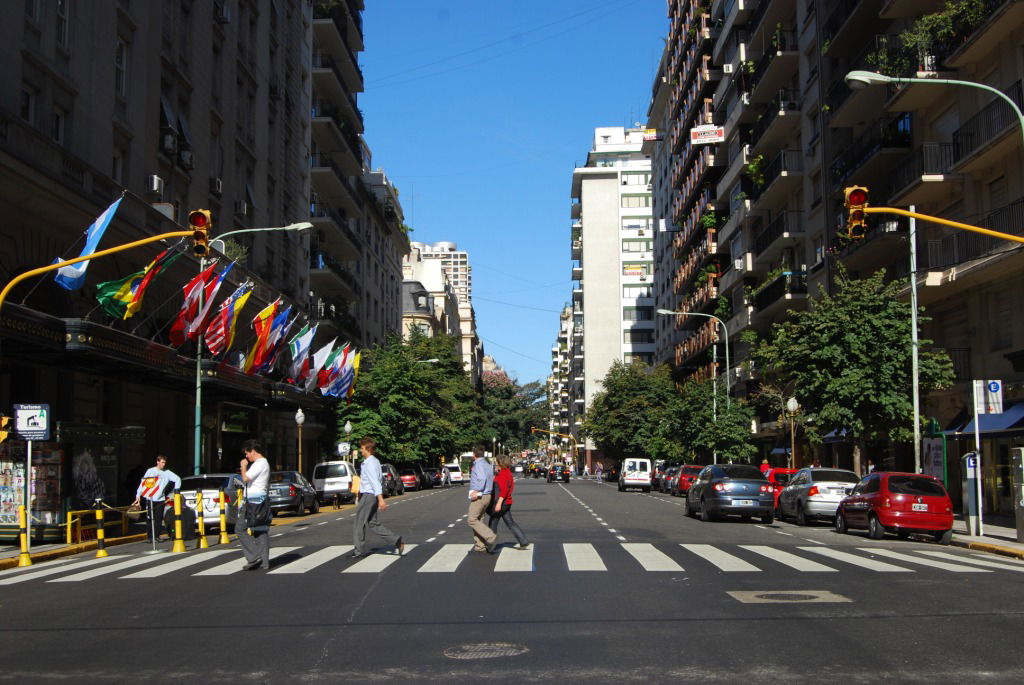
pixel 885 503
pixel 292 491
pixel 719 487
pixel 813 492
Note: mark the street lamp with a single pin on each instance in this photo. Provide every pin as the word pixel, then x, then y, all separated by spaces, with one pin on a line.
pixel 348 435
pixel 300 419
pixel 218 242
pixel 792 406
pixel 725 335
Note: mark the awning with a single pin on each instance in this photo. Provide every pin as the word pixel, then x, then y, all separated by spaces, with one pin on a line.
pixel 1010 421
pixel 780 450
pixel 834 436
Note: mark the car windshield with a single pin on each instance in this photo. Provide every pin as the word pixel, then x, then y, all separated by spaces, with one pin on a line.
pixel 692 470
pixel 834 476
pixel 782 477
pixel 330 471
pixel 741 471
pixel 203 483
pixel 282 477
pixel 915 485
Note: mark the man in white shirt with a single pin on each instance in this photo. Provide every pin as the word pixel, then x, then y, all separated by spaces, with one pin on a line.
pixel 254 539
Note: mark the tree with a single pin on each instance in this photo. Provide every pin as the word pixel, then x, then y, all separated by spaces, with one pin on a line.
pixel 847 359
pixel 512 409
pixel 715 425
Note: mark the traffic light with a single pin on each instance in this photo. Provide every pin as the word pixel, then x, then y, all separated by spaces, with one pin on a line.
pixel 855 200
pixel 5 422
pixel 200 222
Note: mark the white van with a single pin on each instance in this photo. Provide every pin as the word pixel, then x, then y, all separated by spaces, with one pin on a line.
pixel 334 478
pixel 636 473
pixel 455 471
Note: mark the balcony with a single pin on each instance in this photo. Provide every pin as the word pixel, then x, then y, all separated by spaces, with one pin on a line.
pixel 962 246
pixel 332 184
pixel 334 319
pixel 784 231
pixel 776 68
pixel 735 13
pixel 332 232
pixel 990 135
pixel 903 9
pixel 871 156
pixel 882 242
pixel 1001 20
pixel 577 273
pixel 328 33
pixel 847 107
pixel 327 277
pixel 329 129
pixel 739 321
pixel 329 83
pixel 782 177
pixel 782 293
pixel 577 250
pixel 740 268
pixel 576 210
pixel 843 32
pixel 924 177
pixel 577 292
pixel 778 122
pixel 768 14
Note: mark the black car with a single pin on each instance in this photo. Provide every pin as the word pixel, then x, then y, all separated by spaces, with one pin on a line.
pixel 731 489
pixel 539 471
pixel 558 472
pixel 392 483
pixel 435 478
pixel 290 491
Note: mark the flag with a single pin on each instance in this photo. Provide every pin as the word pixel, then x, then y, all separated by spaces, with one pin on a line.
pixel 319 357
pixel 262 323
pixel 221 331
pixel 117 298
pixel 211 288
pixel 355 375
pixel 332 367
pixel 278 333
pixel 190 307
pixel 73 277
pixel 345 380
pixel 298 347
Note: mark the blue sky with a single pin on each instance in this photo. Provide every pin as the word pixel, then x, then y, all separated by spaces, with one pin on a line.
pixel 478 111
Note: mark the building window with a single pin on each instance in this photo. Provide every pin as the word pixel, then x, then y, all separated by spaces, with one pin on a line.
pixel 636 269
pixel 637 223
pixel 117 166
pixel 636 178
pixel 62 22
pixel 638 336
pixel 637 245
pixel 645 357
pixel 637 313
pixel 633 290
pixel 634 201
pixel 121 68
pixel 28 104
pixel 58 124
pixel 1002 318
pixel 32 10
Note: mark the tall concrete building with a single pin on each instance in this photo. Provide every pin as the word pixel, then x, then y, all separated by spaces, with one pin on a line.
pixel 612 242
pixel 431 304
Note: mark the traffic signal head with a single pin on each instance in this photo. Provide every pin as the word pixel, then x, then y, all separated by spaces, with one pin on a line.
pixel 200 222
pixel 855 199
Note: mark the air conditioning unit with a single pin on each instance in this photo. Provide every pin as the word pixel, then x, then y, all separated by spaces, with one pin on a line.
pixel 169 143
pixel 216 186
pixel 738 265
pixel 222 13
pixel 185 159
pixel 790 105
pixel 242 208
pixel 155 185
pixel 643 278
pixel 640 232
pixel 727 68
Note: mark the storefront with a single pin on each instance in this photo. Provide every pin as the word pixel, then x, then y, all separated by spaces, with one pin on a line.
pixel 999 434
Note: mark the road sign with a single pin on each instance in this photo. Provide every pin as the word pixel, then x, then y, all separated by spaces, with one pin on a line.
pixel 709 133
pixel 989 397
pixel 344 448
pixel 32 421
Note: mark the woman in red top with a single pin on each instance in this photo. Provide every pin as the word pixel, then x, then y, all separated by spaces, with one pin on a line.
pixel 504 484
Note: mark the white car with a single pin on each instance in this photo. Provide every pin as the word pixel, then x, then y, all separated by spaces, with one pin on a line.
pixel 636 473
pixel 455 473
pixel 210 484
pixel 334 478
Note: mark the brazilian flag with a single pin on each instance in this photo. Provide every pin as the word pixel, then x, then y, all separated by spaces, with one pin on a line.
pixel 121 299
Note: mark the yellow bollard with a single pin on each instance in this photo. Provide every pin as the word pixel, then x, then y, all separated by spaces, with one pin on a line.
pixel 203 544
pixel 101 545
pixel 223 521
pixel 24 559
pixel 179 543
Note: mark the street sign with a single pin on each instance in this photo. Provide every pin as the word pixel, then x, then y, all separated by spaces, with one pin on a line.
pixel 708 133
pixel 988 397
pixel 32 421
pixel 344 448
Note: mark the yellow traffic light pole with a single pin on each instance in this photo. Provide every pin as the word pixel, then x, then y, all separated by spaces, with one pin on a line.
pixel 944 222
pixel 575 445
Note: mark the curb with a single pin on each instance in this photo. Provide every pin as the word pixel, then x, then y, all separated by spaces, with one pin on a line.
pixel 71 549
pixel 990 548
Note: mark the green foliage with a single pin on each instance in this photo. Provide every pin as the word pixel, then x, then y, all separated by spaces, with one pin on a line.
pixel 847 358
pixel 723 308
pixel 754 170
pixel 709 219
pixel 930 35
pixel 713 424
pixel 511 410
pixel 235 251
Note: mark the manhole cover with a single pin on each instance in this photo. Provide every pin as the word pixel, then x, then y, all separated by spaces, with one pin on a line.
pixel 485 650
pixel 779 597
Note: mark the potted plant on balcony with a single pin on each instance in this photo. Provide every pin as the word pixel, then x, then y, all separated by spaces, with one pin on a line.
pixel 755 170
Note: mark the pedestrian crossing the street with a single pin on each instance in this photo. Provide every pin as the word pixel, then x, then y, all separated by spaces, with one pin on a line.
pixel 570 557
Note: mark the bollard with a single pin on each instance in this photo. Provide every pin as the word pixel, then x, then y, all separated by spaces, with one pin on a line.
pixel 24 559
pixel 179 543
pixel 203 544
pixel 101 545
pixel 223 521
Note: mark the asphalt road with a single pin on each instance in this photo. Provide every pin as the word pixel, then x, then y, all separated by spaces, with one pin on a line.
pixel 617 587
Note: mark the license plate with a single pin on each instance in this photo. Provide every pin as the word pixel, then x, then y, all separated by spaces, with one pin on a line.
pixel 743 503
pixel 919 507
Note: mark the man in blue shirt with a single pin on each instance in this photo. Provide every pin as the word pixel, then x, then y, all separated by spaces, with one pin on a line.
pixel 481 484
pixel 151 488
pixel 371 500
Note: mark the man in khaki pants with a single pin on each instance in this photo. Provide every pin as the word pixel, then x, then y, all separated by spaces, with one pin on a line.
pixel 481 482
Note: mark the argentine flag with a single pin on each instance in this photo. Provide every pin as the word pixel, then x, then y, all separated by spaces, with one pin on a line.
pixel 73 277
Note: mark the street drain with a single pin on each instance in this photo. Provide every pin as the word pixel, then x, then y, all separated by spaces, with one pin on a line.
pixel 485 650
pixel 786 596
pixel 777 597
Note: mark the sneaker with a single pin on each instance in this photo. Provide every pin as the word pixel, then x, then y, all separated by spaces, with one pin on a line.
pixel 490 549
pixel 252 565
pixel 524 545
pixel 400 546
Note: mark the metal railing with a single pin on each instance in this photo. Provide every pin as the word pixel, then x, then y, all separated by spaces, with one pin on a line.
pixel 785 283
pixel 783 100
pixel 892 133
pixel 987 124
pixel 961 246
pixel 928 158
pixel 785 222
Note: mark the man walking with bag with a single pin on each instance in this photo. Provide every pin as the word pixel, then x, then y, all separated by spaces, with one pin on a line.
pixel 371 500
pixel 481 484
pixel 253 525
pixel 151 488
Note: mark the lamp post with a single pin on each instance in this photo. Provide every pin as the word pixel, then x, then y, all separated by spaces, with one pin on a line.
pixel 348 435
pixel 725 335
pixel 198 435
pixel 300 419
pixel 792 406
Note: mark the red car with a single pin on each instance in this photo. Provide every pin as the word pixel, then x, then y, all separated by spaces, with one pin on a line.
pixel 684 479
pixel 779 478
pixel 902 503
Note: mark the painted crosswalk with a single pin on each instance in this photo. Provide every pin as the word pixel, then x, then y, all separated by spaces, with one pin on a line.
pixel 693 559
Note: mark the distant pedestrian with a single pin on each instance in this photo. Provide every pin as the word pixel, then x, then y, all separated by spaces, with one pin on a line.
pixel 586 470
pixel 598 469
pixel 871 467
pixel 765 466
pixel 481 484
pixel 504 484
pixel 816 464
pixel 371 500
pixel 152 489
pixel 253 525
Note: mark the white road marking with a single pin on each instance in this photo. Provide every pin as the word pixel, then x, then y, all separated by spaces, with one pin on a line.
pixel 375 563
pixel 53 570
pixel 650 558
pixel 621 538
pixel 311 561
pixel 956 568
pixel 863 562
pixel 787 559
pixel 103 570
pixel 723 560
pixel 978 562
pixel 277 535
pixel 178 564
pixel 446 559
pixel 431 539
pixel 235 565
pixel 512 559
pixel 581 556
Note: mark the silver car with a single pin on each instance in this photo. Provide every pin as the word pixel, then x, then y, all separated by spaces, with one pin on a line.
pixel 815 493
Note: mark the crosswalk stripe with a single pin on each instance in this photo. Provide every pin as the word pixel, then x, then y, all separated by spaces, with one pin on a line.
pixel 178 564
pixel 512 559
pixel 375 563
pixel 1010 562
pixel 235 565
pixel 42 573
pixel 956 568
pixel 863 562
pixel 787 559
pixel 103 570
pixel 446 559
pixel 311 561
pixel 723 560
pixel 650 558
pixel 581 556
pixel 977 562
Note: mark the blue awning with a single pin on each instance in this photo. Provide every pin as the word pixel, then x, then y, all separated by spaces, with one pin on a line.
pixel 1011 420
pixel 834 436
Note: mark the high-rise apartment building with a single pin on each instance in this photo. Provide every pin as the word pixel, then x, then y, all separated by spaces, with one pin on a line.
pixel 612 241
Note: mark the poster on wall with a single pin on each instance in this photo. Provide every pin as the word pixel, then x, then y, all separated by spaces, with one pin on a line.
pixel 932 457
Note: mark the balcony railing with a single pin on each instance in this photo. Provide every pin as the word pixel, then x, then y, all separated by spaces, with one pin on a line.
pixel 988 123
pixel 785 283
pixel 961 246
pixel 783 100
pixel 324 109
pixel 894 133
pixel 781 41
pixel 785 222
pixel 325 261
pixel 789 161
pixel 929 158
pixel 324 61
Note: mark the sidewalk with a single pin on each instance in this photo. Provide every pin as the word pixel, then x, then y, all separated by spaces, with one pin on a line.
pixel 1000 537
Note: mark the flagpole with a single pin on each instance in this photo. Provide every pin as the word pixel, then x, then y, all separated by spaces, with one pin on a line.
pixel 198 436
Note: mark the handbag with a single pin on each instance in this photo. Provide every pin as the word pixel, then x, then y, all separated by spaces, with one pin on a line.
pixel 258 515
pixel 134 512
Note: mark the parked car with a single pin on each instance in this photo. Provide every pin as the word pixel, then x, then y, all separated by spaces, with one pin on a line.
pixel 902 503
pixel 667 478
pixel 211 484
pixel 636 473
pixel 779 478
pixel 687 474
pixel 413 477
pixel 538 470
pixel 726 489
pixel 611 474
pixel 455 473
pixel 519 469
pixel 814 493
pixel 558 472
pixel 392 483
pixel 333 479
pixel 658 470
pixel 290 491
